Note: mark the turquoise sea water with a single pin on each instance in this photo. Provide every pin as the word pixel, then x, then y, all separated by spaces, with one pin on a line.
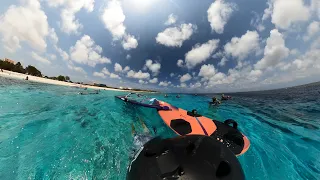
pixel 51 132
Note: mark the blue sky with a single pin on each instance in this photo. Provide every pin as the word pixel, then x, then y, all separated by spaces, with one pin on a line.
pixel 168 45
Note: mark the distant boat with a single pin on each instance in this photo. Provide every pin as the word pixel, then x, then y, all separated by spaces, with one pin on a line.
pixel 87 93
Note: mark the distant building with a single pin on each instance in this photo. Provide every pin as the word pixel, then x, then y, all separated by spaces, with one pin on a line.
pixel 9 61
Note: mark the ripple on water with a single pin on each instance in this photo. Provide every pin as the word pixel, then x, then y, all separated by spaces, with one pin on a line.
pixel 50 132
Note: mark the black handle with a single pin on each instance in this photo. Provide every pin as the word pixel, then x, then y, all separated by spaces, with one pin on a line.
pixel 233 122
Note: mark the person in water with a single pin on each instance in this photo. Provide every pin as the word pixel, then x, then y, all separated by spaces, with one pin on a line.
pixel 215 101
pixel 139 139
pixel 223 97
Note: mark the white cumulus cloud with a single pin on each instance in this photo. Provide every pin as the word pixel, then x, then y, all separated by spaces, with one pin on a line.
pixel 294 52
pixel 53 36
pixel 114 76
pixel 180 63
pixel 285 13
pixel 105 71
pixel 153 67
pixel 207 71
pixel 219 13
pixel 153 81
pixel 127 68
pixel 129 42
pixel 85 51
pixel 243 46
pixel 182 85
pixel 142 82
pixel 69 22
pixel 313 28
pixel 257 22
pixel 26 23
pixel 315 7
pixel 200 53
pixel 223 62
pixel 164 83
pixel 175 36
pixel 274 51
pixel 40 58
pixel 117 67
pixel 254 74
pixel 185 78
pixel 267 11
pixel 99 74
pixel 171 19
pixel 138 75
pixel 63 54
pixel 194 86
pixel 218 78
pixel 113 19
pixel 76 68
pixel 219 54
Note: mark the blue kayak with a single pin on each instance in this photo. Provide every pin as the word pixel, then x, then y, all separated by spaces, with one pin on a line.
pixel 141 100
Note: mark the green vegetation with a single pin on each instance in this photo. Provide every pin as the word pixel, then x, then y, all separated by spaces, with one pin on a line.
pixel 18 68
pixel 61 78
pixel 29 70
pixel 12 67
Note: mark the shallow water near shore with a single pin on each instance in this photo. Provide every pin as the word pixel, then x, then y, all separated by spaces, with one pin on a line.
pixel 52 132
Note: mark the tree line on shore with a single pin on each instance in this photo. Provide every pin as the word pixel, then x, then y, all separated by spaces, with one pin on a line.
pixel 29 70
pixel 33 71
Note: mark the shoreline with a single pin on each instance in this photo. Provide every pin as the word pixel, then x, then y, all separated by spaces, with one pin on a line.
pixel 15 75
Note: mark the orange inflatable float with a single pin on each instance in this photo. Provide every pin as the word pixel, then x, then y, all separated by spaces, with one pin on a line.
pixel 184 122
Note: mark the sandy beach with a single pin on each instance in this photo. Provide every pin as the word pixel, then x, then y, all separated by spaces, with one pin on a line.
pixel 14 75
